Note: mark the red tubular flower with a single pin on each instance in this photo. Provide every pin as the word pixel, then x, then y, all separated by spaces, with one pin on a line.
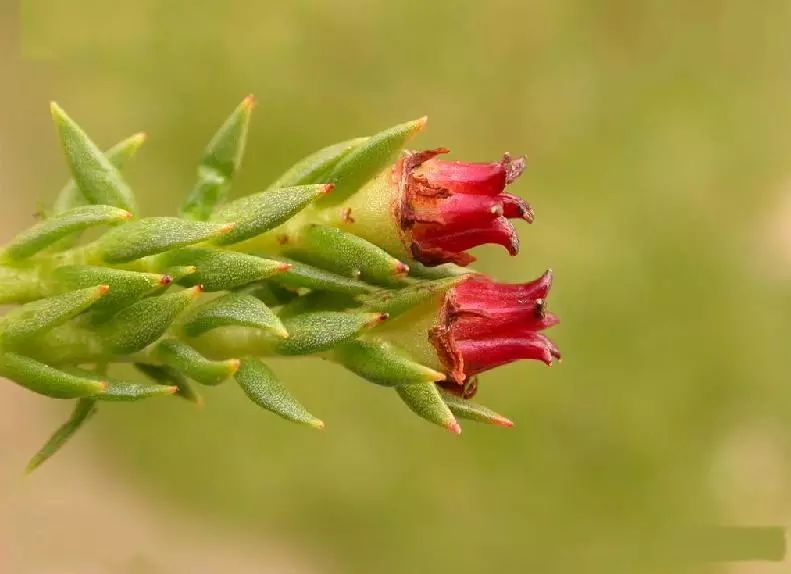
pixel 484 324
pixel 448 207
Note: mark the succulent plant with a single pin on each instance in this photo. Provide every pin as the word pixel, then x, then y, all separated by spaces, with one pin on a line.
pixel 356 255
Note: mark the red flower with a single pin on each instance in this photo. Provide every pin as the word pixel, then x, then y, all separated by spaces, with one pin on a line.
pixel 484 324
pixel 449 207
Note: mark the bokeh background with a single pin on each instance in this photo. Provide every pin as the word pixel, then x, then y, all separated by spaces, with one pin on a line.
pixel 657 134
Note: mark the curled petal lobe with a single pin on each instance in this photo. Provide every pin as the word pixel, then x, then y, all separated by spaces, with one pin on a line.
pixel 484 324
pixel 450 207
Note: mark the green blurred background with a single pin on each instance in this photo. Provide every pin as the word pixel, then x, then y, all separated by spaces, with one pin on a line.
pixel 657 134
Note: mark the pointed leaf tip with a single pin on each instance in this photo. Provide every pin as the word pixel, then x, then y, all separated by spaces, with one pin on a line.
pixel 377 318
pixel 454 427
pixel 249 102
pixel 467 409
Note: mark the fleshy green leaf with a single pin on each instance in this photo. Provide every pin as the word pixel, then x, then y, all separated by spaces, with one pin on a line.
pixel 370 158
pixel 302 275
pixel 233 309
pixel 98 179
pixel 47 232
pixel 426 402
pixel 260 212
pixel 126 391
pixel 383 364
pixel 137 326
pixel 187 360
pixel 46 380
pixel 347 254
pixel 397 301
pixel 118 155
pixel 466 409
pixel 262 387
pixel 219 270
pixel 34 318
pixel 83 410
pixel 120 390
pixel 153 235
pixel 220 162
pixel 317 166
pixel 126 287
pixel 170 377
pixel 315 332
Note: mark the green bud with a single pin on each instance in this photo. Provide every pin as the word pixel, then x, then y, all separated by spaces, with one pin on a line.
pixel 153 235
pixel 383 364
pixel 347 254
pixel 47 232
pixel 262 387
pixel 426 402
pixel 395 302
pixel 83 410
pixel 118 155
pixel 370 158
pixel 301 275
pixel 137 326
pixel 98 179
pixel 46 380
pixel 255 214
pixel 233 309
pixel 466 409
pixel 187 360
pixel 34 318
pixel 316 167
pixel 220 162
pixel 219 270
pixel 315 332
pixel 126 287
pixel 170 377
